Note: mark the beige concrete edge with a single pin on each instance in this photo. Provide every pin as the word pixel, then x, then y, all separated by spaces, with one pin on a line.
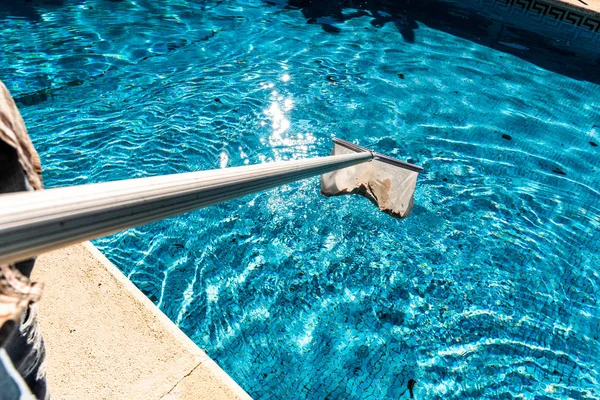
pixel 181 337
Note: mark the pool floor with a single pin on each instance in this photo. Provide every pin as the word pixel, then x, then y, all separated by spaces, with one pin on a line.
pixel 488 290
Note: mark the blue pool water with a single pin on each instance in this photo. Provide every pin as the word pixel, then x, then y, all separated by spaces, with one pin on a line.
pixel 490 289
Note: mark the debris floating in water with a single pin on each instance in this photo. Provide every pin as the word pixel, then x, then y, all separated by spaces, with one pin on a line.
pixel 386 182
pixel 559 171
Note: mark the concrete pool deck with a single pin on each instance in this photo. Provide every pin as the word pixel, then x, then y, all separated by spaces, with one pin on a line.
pixel 106 340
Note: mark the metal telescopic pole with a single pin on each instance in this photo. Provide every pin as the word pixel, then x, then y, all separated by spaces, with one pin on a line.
pixel 32 223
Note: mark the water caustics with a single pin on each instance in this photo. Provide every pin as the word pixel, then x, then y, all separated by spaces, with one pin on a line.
pixel 488 290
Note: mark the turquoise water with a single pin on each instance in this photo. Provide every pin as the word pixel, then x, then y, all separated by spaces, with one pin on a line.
pixel 490 289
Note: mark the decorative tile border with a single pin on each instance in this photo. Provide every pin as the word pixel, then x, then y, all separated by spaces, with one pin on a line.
pixel 573 16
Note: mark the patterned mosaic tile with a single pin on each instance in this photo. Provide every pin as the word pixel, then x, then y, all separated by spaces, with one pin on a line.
pixel 558 13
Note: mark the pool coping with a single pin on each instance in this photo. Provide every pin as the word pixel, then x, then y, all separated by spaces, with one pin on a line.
pixel 585 15
pixel 591 8
pixel 106 339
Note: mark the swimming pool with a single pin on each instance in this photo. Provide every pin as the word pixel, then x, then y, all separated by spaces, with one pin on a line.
pixel 488 290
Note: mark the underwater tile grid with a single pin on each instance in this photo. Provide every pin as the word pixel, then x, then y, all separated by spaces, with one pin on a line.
pixel 490 289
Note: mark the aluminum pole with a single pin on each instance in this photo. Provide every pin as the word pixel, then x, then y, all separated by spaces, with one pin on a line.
pixel 32 223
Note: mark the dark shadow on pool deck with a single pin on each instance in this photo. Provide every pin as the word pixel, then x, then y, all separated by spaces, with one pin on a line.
pixel 515 36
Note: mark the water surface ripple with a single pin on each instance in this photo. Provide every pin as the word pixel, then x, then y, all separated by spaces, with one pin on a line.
pixel 489 290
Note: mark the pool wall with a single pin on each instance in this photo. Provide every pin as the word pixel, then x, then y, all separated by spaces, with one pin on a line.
pixel 573 25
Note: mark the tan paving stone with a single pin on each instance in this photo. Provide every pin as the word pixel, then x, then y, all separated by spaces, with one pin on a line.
pixel 106 340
